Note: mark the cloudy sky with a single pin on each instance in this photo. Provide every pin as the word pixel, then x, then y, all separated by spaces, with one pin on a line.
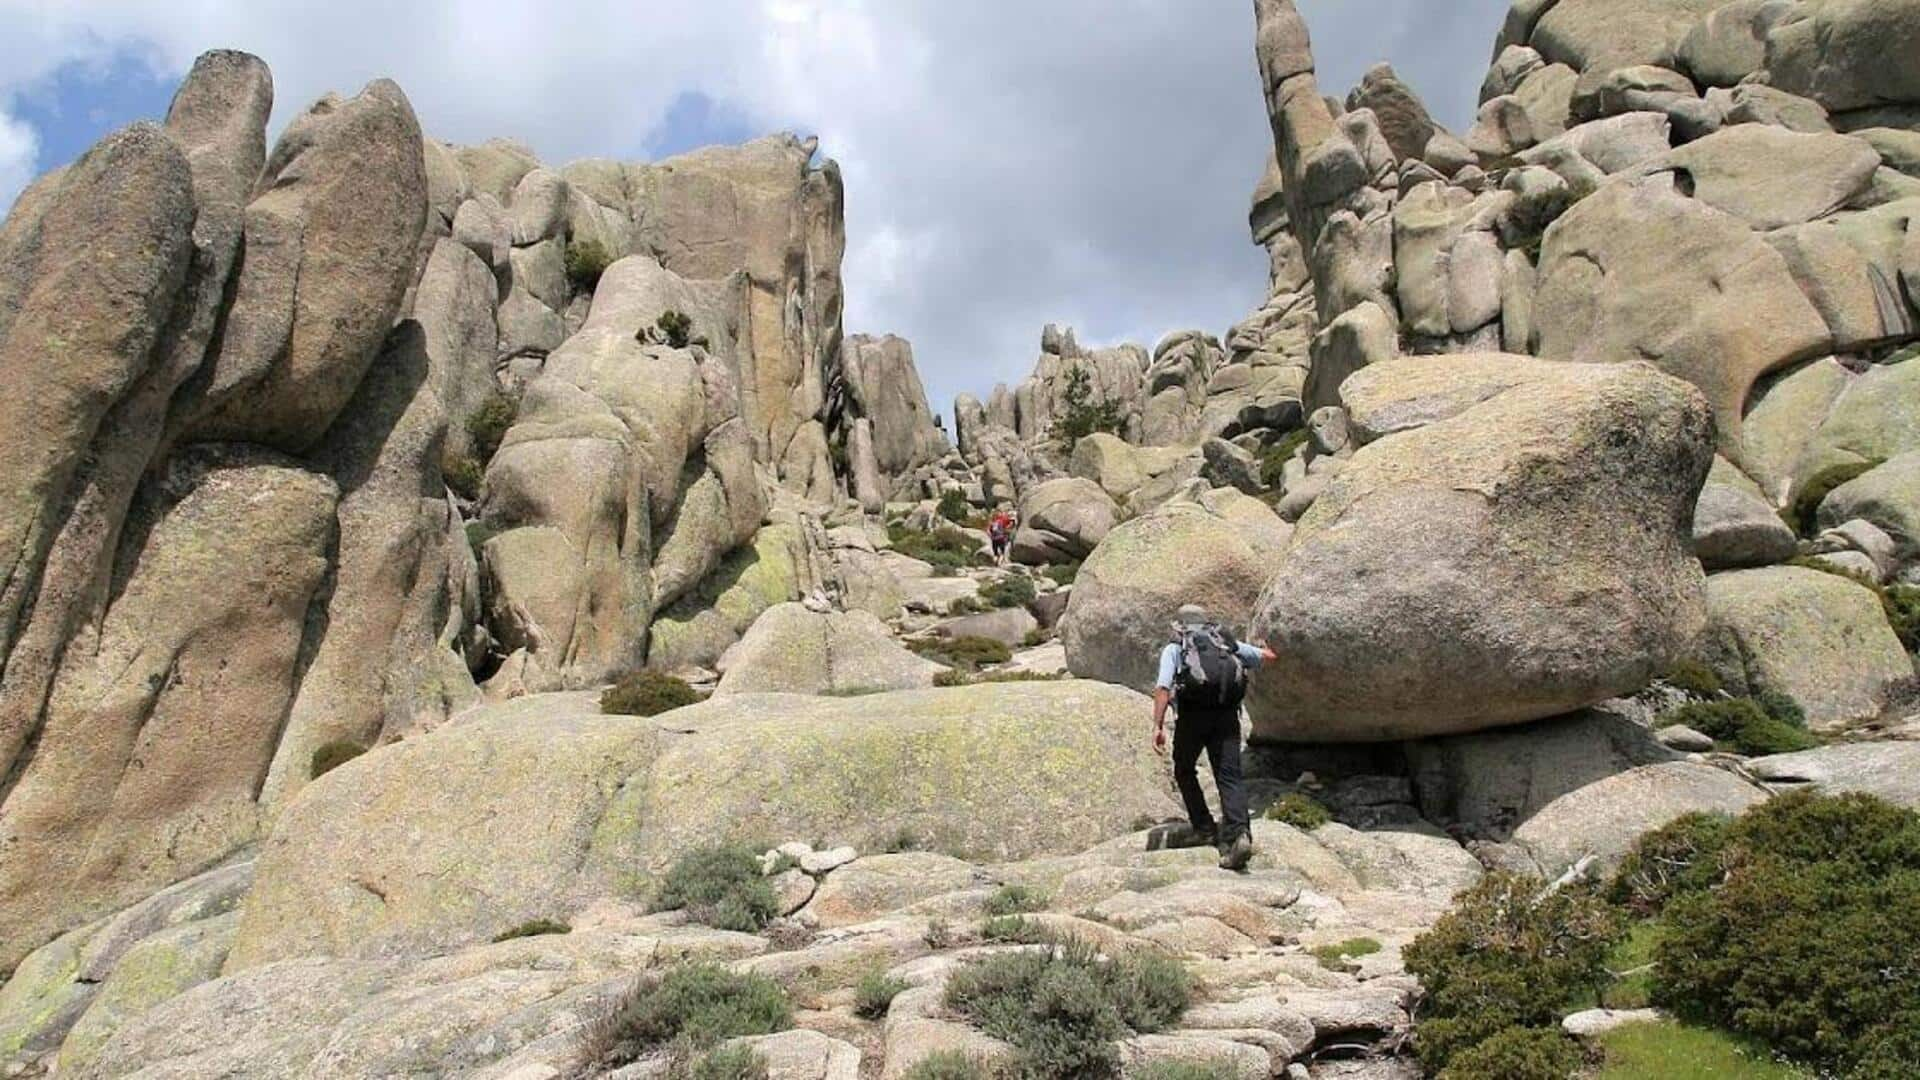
pixel 1008 162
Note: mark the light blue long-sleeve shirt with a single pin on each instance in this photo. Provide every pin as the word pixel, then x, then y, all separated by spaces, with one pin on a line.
pixel 1170 662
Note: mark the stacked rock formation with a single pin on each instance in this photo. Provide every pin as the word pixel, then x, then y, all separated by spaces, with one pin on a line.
pixel 242 381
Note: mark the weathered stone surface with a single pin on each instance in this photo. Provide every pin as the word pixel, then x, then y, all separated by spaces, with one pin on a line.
pixel 1889 770
pixel 1063 521
pixel 1735 526
pixel 1888 496
pixel 158 733
pixel 883 386
pixel 1363 336
pixel 1603 34
pixel 156 970
pixel 1730 43
pixel 1606 817
pixel 1875 418
pixel 878 885
pixel 696 629
pixel 1770 177
pixel 1785 413
pixel 453 837
pixel 1125 596
pixel 1640 270
pixel 90 260
pixel 529 809
pixel 1524 558
pixel 330 253
pixel 1847 54
pixel 1817 637
pixel 792 650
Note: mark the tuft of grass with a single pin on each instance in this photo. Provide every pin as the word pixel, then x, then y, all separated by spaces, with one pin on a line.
pixel 1298 810
pixel 1065 1009
pixel 647 693
pixel 729 1063
pixel 1674 1051
pixel 939 936
pixel 1631 965
pixel 874 995
pixel 961 678
pixel 1339 957
pixel 688 1009
pixel 1186 1070
pixel 1013 591
pixel 1015 900
pixel 585 261
pixel 331 756
pixel 1063 573
pixel 1014 930
pixel 950 1065
pixel 721 887
pixel 534 928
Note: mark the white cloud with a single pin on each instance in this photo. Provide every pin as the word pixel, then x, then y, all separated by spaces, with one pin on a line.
pixel 1008 162
pixel 18 146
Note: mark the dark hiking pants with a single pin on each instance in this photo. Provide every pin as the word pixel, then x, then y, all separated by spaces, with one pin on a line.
pixel 1217 732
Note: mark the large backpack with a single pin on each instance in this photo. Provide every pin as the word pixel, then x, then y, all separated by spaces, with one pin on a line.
pixel 1210 673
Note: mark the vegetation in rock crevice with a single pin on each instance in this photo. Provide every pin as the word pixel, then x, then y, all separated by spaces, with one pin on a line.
pixel 722 887
pixel 647 693
pixel 585 261
pixel 684 1012
pixel 1080 415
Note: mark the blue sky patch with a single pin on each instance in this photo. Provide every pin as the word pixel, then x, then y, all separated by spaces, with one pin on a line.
pixel 83 101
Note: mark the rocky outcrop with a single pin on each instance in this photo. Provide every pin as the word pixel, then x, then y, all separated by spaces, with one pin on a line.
pixel 1217 551
pixel 381 857
pixel 793 650
pixel 1526 554
pixel 879 384
pixel 1063 521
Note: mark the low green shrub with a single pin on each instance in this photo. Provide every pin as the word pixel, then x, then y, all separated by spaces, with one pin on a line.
pixel 688 1009
pixel 874 995
pixel 729 1063
pixel 1745 725
pixel 462 474
pixel 487 425
pixel 721 887
pixel 965 653
pixel 676 327
pixel 1517 1053
pixel 1693 677
pixel 1014 930
pixel 1339 957
pixel 969 605
pixel 1063 573
pixel 534 928
pixel 647 693
pixel 1805 938
pixel 1509 954
pixel 980 678
pixel 1064 1010
pixel 585 261
pixel 1013 591
pixel 1035 638
pixel 953 506
pixel 943 548
pixel 950 1065
pixel 330 756
pixel 1015 900
pixel 1298 810
pixel 1681 856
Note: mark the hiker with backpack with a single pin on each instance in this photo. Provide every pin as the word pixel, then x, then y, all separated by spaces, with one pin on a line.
pixel 1204 673
pixel 1000 534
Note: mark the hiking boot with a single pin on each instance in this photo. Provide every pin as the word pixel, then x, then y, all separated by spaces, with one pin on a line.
pixel 1238 854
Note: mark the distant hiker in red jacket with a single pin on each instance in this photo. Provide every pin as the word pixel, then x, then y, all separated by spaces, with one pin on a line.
pixel 1000 533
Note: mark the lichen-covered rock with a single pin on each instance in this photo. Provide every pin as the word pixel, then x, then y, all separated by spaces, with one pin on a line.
pixel 1216 552
pixel 1889 770
pixel 1063 521
pixel 330 247
pixel 1734 525
pixel 158 735
pixel 793 650
pixel 1528 556
pixel 696 629
pixel 1888 496
pixel 1817 637
pixel 531 809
